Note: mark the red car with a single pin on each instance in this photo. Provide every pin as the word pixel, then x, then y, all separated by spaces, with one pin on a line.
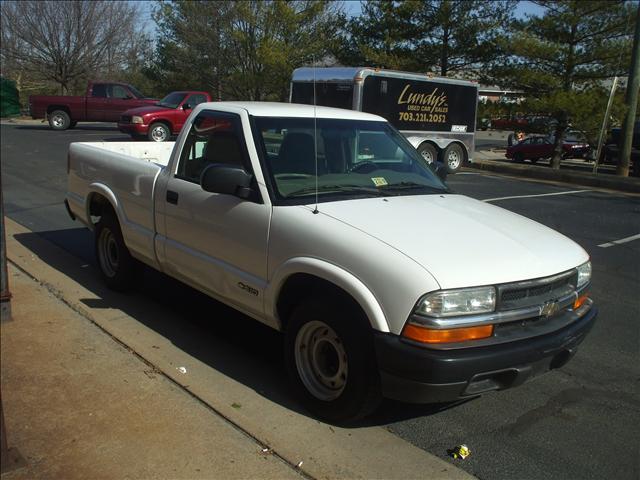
pixel 535 148
pixel 104 102
pixel 158 122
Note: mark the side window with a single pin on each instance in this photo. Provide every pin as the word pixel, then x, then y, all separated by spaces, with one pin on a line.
pixel 196 99
pixel 99 90
pixel 214 137
pixel 118 91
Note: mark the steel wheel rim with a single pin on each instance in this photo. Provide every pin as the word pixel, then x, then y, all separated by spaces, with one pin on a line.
pixel 57 120
pixel 321 360
pixel 426 154
pixel 108 253
pixel 453 159
pixel 158 134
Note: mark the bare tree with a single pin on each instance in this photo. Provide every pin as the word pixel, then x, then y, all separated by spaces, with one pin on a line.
pixel 67 41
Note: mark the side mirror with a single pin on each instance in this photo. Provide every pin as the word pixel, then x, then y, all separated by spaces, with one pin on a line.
pixel 439 169
pixel 127 97
pixel 186 106
pixel 227 179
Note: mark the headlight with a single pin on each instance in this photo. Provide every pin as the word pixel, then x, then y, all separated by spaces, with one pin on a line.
pixel 584 274
pixel 449 303
pixel 136 119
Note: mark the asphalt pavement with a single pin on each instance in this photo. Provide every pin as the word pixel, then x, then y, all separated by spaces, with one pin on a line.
pixel 577 422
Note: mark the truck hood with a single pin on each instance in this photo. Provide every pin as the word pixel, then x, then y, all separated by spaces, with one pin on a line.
pixel 460 241
pixel 147 109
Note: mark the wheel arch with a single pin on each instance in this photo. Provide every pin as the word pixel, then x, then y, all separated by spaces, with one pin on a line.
pixel 99 198
pixel 64 108
pixel 300 277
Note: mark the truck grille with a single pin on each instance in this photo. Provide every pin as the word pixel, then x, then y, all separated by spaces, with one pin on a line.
pixel 125 119
pixel 536 292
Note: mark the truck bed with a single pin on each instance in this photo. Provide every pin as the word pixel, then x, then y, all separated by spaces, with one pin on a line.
pixel 124 172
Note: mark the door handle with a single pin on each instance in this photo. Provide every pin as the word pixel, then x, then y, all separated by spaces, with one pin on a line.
pixel 172 197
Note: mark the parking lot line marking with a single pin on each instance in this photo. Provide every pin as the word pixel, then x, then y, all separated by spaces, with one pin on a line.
pixel 622 240
pixel 536 195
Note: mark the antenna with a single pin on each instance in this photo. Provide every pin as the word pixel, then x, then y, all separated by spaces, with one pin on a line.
pixel 315 133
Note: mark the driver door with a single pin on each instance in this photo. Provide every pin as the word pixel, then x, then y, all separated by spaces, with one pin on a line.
pixel 216 242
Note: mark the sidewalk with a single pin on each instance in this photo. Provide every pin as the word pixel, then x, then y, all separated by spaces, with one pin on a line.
pixel 93 387
pixel 573 171
pixel 79 405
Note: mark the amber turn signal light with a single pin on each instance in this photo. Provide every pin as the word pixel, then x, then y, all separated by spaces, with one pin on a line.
pixel 579 301
pixel 429 335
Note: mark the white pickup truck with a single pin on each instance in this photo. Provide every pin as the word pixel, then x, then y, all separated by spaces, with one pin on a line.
pixel 327 224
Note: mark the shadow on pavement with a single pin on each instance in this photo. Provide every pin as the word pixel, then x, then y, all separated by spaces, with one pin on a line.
pixel 219 336
pixel 87 128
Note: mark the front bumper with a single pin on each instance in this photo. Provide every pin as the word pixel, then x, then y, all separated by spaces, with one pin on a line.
pixel 133 128
pixel 421 375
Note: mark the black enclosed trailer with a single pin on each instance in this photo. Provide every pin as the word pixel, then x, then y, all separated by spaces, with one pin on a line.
pixel 437 115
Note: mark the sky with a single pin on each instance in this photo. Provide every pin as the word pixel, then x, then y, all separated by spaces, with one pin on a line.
pixel 353 8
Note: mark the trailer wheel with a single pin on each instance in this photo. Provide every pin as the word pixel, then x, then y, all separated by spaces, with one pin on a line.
pixel 428 152
pixel 453 157
pixel 331 362
pixel 59 120
pixel 117 266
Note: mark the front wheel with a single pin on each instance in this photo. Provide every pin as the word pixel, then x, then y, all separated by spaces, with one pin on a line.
pixel 331 361
pixel 158 132
pixel 453 158
pixel 117 266
pixel 59 120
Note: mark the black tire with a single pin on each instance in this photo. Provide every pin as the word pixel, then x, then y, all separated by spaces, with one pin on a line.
pixel 429 152
pixel 534 160
pixel 73 124
pixel 158 132
pixel 59 120
pixel 117 267
pixel 342 343
pixel 518 157
pixel 453 157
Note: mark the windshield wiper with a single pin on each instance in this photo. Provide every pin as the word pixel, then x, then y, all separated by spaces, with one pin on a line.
pixel 340 190
pixel 413 186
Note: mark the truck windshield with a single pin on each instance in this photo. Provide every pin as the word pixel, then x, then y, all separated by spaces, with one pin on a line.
pixel 355 159
pixel 172 100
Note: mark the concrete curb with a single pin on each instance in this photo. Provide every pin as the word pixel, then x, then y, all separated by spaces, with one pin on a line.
pixel 324 450
pixel 610 182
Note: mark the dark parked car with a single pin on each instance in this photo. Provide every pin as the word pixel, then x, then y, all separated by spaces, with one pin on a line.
pixel 537 147
pixel 611 148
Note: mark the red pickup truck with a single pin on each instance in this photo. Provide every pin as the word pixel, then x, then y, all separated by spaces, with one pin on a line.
pixel 104 102
pixel 158 122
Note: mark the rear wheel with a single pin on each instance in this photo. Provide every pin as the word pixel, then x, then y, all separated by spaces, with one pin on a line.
pixel 331 361
pixel 518 157
pixel 453 157
pixel 59 120
pixel 428 152
pixel 117 266
pixel 73 124
pixel 158 132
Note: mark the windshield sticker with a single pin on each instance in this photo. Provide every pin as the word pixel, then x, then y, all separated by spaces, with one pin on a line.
pixel 379 181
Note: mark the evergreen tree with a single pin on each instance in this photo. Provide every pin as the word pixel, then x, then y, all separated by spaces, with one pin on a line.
pixel 560 55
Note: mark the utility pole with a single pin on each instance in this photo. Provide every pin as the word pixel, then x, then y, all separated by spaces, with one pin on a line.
pixel 631 99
